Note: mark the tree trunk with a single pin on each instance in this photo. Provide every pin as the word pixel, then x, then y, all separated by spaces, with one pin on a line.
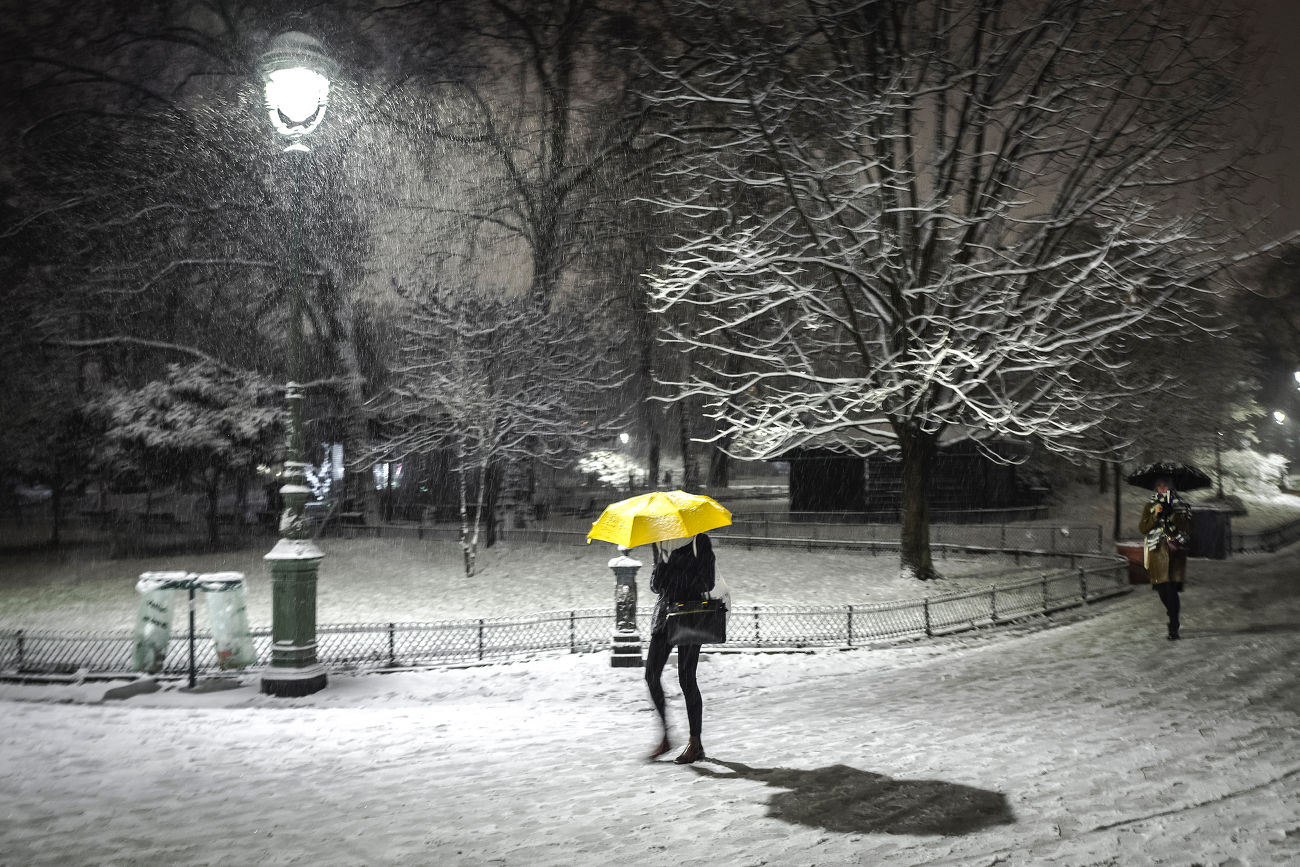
pixel 918 456
pixel 342 328
pixel 212 487
pixel 1103 476
pixel 1117 468
pixel 1218 464
pixel 719 468
pixel 690 469
pixel 489 496
pixel 466 541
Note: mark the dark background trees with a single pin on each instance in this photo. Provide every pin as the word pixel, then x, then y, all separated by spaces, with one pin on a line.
pixel 898 186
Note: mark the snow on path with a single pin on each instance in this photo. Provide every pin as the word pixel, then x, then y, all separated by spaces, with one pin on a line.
pixel 1094 742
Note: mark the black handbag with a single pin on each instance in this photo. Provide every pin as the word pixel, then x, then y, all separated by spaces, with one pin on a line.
pixel 698 622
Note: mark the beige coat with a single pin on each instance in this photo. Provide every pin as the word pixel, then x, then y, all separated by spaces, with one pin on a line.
pixel 1161 566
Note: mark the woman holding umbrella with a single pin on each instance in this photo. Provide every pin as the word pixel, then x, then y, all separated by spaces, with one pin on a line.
pixel 1166 522
pixel 686 575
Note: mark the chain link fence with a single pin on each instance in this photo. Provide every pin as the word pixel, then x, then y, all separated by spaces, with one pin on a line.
pixel 355 646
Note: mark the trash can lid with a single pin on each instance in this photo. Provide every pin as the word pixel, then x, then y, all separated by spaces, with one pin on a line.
pixel 174 580
pixel 218 582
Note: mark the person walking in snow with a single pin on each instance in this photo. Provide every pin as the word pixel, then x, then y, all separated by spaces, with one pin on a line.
pixel 1166 522
pixel 687 574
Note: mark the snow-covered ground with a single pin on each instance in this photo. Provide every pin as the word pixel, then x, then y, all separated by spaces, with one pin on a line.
pixel 382 580
pixel 1092 742
pixel 400 579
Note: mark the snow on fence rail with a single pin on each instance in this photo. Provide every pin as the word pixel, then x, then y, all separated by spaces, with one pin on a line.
pixel 392 645
pixel 1265 541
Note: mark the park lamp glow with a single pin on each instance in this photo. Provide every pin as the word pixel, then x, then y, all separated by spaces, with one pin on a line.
pixel 296 74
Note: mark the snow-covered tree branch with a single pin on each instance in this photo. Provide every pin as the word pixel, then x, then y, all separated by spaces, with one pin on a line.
pixel 915 219
pixel 495 382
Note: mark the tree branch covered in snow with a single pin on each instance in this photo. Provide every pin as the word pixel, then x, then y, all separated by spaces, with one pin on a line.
pixel 495 381
pixel 200 423
pixel 911 219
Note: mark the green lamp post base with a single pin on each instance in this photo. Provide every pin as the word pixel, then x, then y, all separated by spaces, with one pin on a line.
pixel 294 670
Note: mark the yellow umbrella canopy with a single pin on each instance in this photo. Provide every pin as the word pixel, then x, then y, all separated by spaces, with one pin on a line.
pixel 656 517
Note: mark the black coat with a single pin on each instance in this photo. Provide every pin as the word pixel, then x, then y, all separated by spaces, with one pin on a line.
pixel 687 574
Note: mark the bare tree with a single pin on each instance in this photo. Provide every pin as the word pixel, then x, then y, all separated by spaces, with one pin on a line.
pixel 915 220
pixel 491 382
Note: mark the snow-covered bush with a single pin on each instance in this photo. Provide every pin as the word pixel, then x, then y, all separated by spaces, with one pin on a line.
pixel 610 468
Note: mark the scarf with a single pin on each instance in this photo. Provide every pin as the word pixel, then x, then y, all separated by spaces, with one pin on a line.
pixel 1164 526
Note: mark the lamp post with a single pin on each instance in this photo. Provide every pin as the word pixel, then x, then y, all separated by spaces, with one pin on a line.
pixel 296 80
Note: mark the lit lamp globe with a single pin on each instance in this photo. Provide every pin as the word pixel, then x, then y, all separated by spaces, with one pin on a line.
pixel 296 75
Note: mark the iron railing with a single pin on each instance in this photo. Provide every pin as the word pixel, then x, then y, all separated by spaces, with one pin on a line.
pixel 1265 541
pixel 353 646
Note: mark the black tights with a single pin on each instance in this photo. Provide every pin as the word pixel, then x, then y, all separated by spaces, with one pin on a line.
pixel 688 659
pixel 1168 592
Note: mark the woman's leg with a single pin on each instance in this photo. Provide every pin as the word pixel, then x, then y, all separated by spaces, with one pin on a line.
pixel 655 658
pixel 1169 596
pixel 688 659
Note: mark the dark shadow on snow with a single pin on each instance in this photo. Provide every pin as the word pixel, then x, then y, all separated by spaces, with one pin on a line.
pixel 845 799
pixel 1252 629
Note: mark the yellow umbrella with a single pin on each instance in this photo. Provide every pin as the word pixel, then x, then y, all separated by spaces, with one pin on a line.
pixel 656 517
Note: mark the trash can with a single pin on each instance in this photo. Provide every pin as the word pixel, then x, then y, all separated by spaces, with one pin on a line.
pixel 1211 534
pixel 228 618
pixel 153 626
pixel 1135 553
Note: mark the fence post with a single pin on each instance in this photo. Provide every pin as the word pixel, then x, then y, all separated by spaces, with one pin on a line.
pixel 1044 592
pixel 993 603
pixel 480 638
pixel 20 648
pixel 392 646
pixel 573 633
pixel 757 635
pixel 193 672
pixel 929 633
pixel 850 626
pixel 1083 584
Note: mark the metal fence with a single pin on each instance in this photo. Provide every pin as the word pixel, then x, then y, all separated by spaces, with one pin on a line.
pixel 394 645
pixel 1264 541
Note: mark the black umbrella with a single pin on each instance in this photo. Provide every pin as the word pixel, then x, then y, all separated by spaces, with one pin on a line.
pixel 1182 477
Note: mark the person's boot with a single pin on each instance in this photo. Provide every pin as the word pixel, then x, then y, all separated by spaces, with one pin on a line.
pixel 694 752
pixel 1173 631
pixel 664 746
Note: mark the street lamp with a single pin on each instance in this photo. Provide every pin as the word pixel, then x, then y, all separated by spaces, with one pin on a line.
pixel 296 81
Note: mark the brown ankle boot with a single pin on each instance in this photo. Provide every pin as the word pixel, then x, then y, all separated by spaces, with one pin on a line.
pixel 664 746
pixel 694 752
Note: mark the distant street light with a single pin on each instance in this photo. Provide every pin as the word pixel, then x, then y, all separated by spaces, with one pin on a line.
pixel 1279 416
pixel 296 80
